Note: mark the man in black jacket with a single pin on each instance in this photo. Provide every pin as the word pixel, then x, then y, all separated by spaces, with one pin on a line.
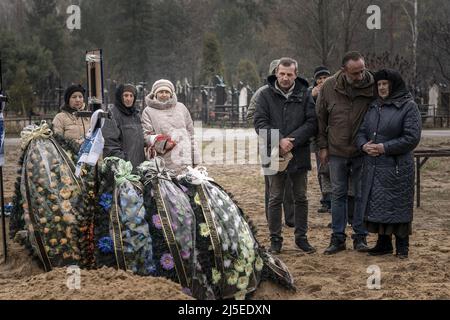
pixel 285 120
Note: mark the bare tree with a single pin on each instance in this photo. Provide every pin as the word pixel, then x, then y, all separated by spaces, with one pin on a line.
pixel 413 23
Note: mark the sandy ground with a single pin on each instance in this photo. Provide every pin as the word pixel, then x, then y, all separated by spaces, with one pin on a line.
pixel 425 275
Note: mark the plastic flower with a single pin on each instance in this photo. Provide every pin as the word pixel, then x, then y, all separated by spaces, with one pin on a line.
pixel 105 201
pixel 69 218
pixel 216 276
pixel 251 257
pixel 66 206
pixel 242 283
pixel 227 263
pixel 105 244
pixel 151 269
pixel 167 261
pixel 234 246
pixel 185 254
pixel 204 230
pixel 259 264
pixel 225 246
pixel 239 265
pixel 225 217
pixel 232 278
pixel 248 269
pixel 240 295
pixel 57 219
pixel 156 221
pixel 187 291
pixel 43 220
pixel 65 193
pixel 63 241
pixel 220 202
pixel 66 179
pixel 53 242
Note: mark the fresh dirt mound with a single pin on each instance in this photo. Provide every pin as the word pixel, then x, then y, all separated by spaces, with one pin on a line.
pixel 101 284
pixel 23 278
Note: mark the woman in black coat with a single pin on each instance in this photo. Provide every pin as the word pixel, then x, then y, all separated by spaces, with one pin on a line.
pixel 388 135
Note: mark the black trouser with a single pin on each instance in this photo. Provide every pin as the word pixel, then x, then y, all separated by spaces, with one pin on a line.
pixel 277 186
pixel 288 201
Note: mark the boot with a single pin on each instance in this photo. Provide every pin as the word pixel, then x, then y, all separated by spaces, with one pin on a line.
pixel 383 246
pixel 335 246
pixel 360 243
pixel 303 244
pixel 402 247
pixel 275 245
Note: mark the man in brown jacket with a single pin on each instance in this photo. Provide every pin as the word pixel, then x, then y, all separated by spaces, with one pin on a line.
pixel 341 106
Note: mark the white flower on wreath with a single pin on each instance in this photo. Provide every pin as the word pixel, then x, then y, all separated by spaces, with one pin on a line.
pixel 225 217
pixel 248 269
pixel 219 230
pixel 251 257
pixel 234 246
pixel 240 295
pixel 227 263
pixel 232 278
pixel 242 283
pixel 239 265
pixel 259 264
pixel 225 246
pixel 220 203
pixel 216 276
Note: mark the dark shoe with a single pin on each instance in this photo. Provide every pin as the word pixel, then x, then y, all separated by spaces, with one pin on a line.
pixel 360 244
pixel 304 245
pixel 289 224
pixel 335 246
pixel 329 225
pixel 323 209
pixel 275 246
pixel 402 247
pixel 383 246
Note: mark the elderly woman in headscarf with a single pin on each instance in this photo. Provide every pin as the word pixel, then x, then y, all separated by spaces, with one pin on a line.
pixel 168 128
pixel 390 132
pixel 66 122
pixel 123 131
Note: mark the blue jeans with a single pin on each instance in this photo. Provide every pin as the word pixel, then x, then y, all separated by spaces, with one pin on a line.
pixel 340 170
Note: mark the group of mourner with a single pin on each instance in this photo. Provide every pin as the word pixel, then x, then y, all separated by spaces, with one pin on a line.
pixel 362 126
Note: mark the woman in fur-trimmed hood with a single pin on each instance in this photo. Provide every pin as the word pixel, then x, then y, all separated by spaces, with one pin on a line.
pixel 168 128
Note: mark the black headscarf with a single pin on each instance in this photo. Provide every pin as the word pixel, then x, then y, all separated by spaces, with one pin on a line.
pixel 397 87
pixel 68 93
pixel 119 99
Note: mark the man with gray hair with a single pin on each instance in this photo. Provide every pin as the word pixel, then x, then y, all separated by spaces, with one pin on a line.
pixel 285 109
pixel 288 201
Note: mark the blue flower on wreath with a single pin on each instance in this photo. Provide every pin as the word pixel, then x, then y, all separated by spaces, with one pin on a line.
pixel 151 269
pixel 106 201
pixel 106 244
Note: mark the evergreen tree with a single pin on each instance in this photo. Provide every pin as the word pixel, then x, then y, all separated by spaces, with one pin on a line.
pixel 212 58
pixel 248 74
pixel 21 92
